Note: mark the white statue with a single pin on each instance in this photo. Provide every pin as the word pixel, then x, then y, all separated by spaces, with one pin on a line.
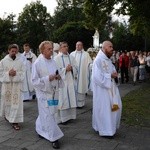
pixel 96 39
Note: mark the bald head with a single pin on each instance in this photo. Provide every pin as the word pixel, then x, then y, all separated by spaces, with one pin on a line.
pixel 107 48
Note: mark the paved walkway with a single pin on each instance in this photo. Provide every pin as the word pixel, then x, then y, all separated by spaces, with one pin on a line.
pixel 79 134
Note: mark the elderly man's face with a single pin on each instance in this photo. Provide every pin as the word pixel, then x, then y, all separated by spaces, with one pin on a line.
pixel 48 51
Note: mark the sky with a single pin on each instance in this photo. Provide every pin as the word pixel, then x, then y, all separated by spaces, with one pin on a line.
pixel 16 6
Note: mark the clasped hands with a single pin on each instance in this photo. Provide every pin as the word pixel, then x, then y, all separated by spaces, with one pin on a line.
pixel 54 77
pixel 68 68
pixel 12 72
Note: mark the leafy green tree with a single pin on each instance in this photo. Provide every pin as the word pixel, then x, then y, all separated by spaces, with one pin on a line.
pixel 34 24
pixel 97 13
pixel 123 39
pixel 68 24
pixel 139 13
pixel 73 32
pixel 8 32
pixel 67 12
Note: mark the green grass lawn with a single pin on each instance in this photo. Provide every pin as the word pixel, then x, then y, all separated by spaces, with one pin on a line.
pixel 136 107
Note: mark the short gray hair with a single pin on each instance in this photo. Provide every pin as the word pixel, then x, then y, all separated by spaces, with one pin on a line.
pixel 41 46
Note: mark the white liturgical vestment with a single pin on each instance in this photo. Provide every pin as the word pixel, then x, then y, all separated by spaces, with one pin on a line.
pixel 46 124
pixel 11 103
pixel 106 95
pixel 67 97
pixel 83 60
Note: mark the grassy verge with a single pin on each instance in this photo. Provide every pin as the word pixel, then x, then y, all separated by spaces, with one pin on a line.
pixel 136 107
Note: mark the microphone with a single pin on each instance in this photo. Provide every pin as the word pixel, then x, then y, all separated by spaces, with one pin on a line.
pixel 57 72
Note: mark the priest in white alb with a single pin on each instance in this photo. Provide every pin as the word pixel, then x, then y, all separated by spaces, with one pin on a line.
pixel 83 60
pixel 67 97
pixel 29 92
pixel 46 81
pixel 12 72
pixel 107 105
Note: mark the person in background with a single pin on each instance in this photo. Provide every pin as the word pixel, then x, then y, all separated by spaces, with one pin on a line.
pixel 148 64
pixel 56 48
pixel 31 57
pixel 83 60
pixel 142 64
pixel 67 96
pixel 134 66
pixel 124 66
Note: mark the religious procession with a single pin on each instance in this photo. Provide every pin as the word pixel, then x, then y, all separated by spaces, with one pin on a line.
pixel 59 81
pixel 60 84
pixel 77 78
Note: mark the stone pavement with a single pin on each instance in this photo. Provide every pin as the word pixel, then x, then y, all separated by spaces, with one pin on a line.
pixel 79 134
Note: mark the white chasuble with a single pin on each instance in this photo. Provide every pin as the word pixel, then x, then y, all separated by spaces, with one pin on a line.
pixel 107 104
pixel 46 124
pixel 67 97
pixel 11 103
pixel 83 60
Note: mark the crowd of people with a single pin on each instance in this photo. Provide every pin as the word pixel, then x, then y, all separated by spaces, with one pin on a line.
pixel 133 64
pixel 60 81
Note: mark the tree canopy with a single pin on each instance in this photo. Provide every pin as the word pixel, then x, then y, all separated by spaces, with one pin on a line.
pixel 34 24
pixel 75 20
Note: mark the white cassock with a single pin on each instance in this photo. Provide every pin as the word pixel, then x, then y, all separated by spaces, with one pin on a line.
pixel 28 87
pixel 67 97
pixel 25 89
pixel 46 124
pixel 11 103
pixel 105 96
pixel 90 75
pixel 83 60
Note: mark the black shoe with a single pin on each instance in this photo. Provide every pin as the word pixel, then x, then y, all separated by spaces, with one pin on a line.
pixel 27 100
pixel 64 123
pixel 55 145
pixel 41 137
pixel 108 137
pixel 34 96
pixel 80 107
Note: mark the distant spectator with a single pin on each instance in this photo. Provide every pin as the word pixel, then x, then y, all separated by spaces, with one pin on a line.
pixel 142 71
pixel 124 65
pixel 134 64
